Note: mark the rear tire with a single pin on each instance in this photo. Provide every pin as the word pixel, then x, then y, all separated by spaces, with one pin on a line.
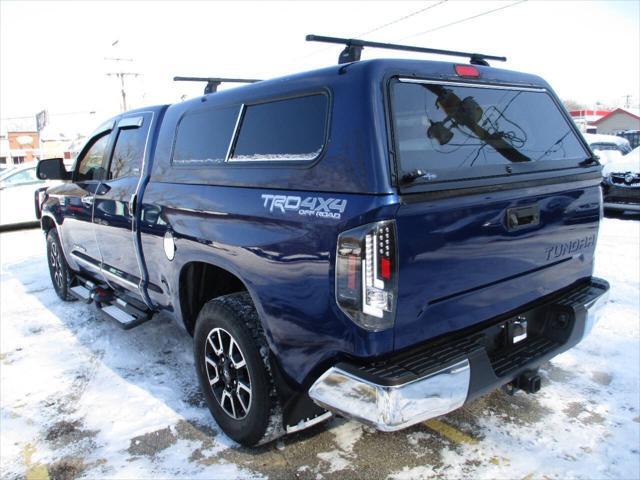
pixel 61 275
pixel 232 364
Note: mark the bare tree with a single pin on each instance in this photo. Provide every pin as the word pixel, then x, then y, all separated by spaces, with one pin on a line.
pixel 573 105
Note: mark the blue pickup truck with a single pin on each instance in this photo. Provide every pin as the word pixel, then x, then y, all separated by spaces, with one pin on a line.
pixel 383 240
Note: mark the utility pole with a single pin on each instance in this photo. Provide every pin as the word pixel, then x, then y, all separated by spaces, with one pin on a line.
pixel 121 76
pixel 627 101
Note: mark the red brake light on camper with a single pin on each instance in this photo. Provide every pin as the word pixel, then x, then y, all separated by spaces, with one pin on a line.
pixel 467 71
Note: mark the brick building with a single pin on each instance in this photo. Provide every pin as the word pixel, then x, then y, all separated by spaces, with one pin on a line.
pixel 19 141
pixel 24 146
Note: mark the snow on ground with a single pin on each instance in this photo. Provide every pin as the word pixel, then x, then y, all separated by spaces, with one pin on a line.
pixel 81 398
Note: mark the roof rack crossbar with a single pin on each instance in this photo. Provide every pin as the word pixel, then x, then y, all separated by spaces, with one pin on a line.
pixel 353 50
pixel 214 82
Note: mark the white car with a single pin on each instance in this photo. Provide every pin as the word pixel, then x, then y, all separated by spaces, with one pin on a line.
pixel 17 193
pixel 608 148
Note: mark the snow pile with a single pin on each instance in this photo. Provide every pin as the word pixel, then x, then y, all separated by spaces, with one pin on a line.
pixel 65 368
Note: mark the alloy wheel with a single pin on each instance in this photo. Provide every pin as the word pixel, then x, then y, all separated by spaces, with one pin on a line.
pixel 228 373
pixel 56 267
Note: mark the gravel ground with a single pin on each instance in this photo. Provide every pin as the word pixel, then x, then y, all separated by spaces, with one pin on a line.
pixel 81 398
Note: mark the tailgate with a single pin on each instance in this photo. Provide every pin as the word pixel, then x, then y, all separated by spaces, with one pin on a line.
pixel 501 203
pixel 461 263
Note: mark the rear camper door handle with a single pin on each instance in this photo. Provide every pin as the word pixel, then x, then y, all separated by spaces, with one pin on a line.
pixel 523 217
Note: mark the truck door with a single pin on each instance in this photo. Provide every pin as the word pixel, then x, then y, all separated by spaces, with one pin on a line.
pixel 113 216
pixel 77 201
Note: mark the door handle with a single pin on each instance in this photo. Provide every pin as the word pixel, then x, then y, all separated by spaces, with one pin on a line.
pixel 523 217
pixel 87 200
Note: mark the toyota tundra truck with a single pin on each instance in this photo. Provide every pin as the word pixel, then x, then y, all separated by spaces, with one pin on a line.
pixel 385 240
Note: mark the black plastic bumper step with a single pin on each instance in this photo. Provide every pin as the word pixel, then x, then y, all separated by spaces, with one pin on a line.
pixel 529 350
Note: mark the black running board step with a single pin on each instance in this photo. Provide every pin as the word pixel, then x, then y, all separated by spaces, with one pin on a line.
pixel 125 315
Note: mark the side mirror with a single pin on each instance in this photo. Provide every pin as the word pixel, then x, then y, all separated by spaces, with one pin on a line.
pixel 52 169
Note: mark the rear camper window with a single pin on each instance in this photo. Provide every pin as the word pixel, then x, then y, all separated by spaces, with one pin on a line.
pixel 291 129
pixel 204 136
pixel 451 131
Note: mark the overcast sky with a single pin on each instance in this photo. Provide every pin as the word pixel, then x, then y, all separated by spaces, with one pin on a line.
pixel 52 54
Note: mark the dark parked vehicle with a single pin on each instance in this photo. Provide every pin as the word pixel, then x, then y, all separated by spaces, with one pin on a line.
pixel 632 136
pixel 621 184
pixel 384 239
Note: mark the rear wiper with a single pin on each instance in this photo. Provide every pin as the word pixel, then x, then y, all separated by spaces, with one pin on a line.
pixel 414 175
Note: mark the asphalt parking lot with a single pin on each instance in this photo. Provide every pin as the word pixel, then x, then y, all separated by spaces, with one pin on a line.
pixel 81 398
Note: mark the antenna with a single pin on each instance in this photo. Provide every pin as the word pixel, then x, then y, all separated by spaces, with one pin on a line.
pixel 214 82
pixel 353 50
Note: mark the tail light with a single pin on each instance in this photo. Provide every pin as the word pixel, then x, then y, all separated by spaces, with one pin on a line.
pixel 367 275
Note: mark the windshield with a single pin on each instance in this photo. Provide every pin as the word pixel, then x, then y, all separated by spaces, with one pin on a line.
pixel 6 171
pixel 601 146
pixel 445 131
pixel 20 177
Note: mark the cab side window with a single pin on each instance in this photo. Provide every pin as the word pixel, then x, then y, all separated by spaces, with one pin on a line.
pixel 128 153
pixel 291 129
pixel 90 166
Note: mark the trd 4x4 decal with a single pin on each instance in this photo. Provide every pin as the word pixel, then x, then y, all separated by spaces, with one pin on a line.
pixel 312 206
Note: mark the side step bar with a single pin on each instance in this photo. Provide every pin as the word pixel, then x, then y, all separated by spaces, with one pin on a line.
pixel 83 291
pixel 125 315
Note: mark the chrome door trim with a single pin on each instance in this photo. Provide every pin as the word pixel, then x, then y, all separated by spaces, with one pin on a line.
pixel 243 107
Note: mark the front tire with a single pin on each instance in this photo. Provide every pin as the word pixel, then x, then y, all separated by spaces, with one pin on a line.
pixel 61 275
pixel 232 363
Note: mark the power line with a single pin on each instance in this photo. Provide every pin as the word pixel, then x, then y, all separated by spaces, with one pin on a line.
pixel 413 14
pixel 482 14
pixel 393 22
pixel 50 114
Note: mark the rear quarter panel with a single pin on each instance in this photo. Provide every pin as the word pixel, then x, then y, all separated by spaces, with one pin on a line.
pixel 285 260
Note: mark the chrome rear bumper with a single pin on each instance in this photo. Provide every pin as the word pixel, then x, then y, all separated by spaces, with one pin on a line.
pixel 439 378
pixel 390 408
pixel 594 308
